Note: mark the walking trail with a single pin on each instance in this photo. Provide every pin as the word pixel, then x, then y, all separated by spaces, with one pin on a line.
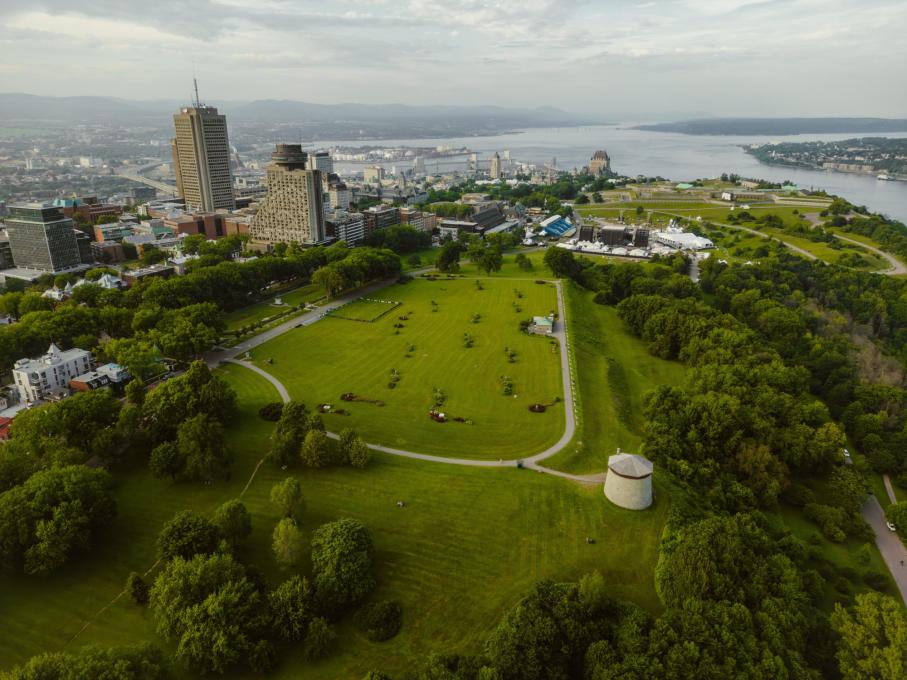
pixel 532 462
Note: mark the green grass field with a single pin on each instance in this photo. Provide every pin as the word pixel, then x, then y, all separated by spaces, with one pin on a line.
pixel 39 615
pixel 426 259
pixel 365 310
pixel 335 356
pixel 467 546
pixel 615 373
pixel 265 309
pixel 662 212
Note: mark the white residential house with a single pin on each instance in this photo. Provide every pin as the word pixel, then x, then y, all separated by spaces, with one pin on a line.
pixel 37 379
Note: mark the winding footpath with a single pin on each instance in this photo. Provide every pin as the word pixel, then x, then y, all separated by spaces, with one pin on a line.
pixel 532 462
pixel 897 267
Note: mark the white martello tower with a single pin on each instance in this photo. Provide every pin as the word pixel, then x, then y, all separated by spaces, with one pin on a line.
pixel 629 481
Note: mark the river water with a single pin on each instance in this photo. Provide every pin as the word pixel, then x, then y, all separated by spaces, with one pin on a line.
pixel 675 156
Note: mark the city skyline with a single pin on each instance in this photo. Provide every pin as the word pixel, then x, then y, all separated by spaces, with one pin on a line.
pixel 660 56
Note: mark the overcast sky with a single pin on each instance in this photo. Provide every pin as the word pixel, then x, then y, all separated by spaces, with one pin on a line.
pixel 727 57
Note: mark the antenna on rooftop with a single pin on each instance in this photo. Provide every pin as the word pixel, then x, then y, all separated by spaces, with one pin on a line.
pixel 195 85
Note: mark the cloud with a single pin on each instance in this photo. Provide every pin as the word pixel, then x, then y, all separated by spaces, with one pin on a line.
pixel 701 54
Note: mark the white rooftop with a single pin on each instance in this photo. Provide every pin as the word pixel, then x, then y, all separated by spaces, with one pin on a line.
pixel 630 465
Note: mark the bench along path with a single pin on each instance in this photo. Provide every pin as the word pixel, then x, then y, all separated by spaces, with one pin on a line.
pixel 530 462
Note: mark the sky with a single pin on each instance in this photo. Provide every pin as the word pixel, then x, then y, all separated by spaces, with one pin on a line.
pixel 720 57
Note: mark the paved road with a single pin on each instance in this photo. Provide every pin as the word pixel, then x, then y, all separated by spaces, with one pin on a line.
pixel 530 462
pixel 897 267
pixel 281 390
pixel 306 319
pixel 796 249
pixel 889 543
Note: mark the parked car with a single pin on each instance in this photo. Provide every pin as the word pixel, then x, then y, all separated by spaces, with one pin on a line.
pixel 891 527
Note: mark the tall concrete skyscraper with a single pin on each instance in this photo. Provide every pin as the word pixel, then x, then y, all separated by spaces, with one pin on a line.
pixel 42 237
pixel 293 210
pixel 201 158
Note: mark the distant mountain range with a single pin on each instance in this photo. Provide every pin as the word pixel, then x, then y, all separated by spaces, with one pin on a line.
pixel 779 126
pixel 19 107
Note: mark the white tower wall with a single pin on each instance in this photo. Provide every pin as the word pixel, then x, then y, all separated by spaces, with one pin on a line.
pixel 632 494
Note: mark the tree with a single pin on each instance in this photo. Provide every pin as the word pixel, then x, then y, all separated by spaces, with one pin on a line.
pixel 725 558
pixel 167 461
pixel 135 392
pixel 491 260
pixel 52 515
pixel 523 262
pixel 286 543
pixel 214 613
pixel 873 638
pixel 897 515
pixel 137 588
pixel 319 639
pixel 540 637
pixel 182 339
pixel 329 279
pixel 142 662
pixel 186 535
pixel 342 563
pixel 292 426
pixel 9 303
pixel 448 259
pixel 141 357
pixel 292 604
pixel 381 620
pixel 286 496
pixel 195 392
pixel 233 521
pixel 358 454
pixel 561 262
pixel 316 452
pixel 34 302
pixel 201 443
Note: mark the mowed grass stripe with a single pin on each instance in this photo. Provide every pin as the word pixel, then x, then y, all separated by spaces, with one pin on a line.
pixel 469 543
pixel 334 356
pixel 597 334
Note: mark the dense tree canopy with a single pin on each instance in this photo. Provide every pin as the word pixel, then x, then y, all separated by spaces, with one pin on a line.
pixel 52 515
pixel 342 563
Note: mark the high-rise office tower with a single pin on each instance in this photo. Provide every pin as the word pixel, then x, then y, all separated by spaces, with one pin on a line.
pixel 201 158
pixel 42 237
pixel 293 210
pixel 495 169
pixel 321 160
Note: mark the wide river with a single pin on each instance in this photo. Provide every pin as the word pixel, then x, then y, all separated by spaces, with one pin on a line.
pixel 671 155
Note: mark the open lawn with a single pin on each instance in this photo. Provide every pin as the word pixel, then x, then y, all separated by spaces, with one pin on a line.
pixel 321 362
pixel 661 213
pixel 467 545
pixel 614 373
pixel 266 309
pixel 365 309
pixel 426 257
pixel 44 614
